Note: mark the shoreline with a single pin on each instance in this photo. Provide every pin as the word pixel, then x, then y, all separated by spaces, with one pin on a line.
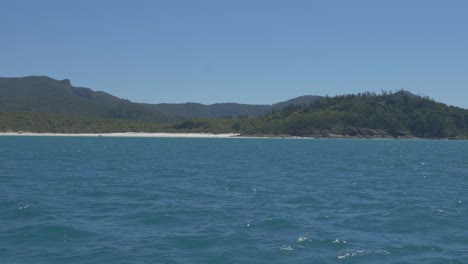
pixel 124 134
pixel 209 135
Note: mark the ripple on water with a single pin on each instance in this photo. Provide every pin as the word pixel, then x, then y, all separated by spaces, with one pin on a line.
pixel 276 224
pixel 46 235
pixel 287 201
pixel 302 239
pixel 286 248
pixel 363 253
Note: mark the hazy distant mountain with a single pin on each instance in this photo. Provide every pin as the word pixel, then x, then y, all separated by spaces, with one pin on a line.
pixel 221 110
pixel 46 95
pixel 226 110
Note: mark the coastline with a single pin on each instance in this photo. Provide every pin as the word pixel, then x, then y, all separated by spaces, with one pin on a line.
pixel 212 135
pixel 124 134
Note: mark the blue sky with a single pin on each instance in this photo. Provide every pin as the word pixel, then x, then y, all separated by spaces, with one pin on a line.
pixel 246 51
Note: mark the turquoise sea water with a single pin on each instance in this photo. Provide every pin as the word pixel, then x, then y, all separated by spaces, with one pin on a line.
pixel 168 200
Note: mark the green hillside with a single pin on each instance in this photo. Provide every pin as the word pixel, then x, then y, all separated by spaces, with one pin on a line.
pixel 46 95
pixel 300 101
pixel 50 123
pixel 42 104
pixel 399 114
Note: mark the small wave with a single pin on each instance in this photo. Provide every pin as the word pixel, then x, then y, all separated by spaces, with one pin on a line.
pixel 358 253
pixel 337 241
pixel 26 206
pixel 302 239
pixel 286 248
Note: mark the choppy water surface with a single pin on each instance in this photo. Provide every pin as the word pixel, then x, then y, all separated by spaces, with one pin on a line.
pixel 150 200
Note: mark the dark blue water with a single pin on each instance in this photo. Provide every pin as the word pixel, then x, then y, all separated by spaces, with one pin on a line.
pixel 150 200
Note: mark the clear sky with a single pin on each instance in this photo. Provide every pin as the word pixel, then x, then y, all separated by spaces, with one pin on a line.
pixel 246 51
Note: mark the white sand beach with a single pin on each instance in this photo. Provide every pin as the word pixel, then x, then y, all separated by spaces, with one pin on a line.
pixel 126 134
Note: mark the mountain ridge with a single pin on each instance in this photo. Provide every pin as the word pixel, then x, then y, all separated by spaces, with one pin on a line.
pixel 44 104
pixel 47 95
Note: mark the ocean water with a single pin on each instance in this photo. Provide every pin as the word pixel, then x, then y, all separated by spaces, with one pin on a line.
pixel 179 200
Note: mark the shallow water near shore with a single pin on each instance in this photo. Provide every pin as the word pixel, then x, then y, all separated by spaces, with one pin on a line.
pixel 194 200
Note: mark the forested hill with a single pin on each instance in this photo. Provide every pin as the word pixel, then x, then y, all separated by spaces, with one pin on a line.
pixel 398 115
pixel 42 104
pixel 41 94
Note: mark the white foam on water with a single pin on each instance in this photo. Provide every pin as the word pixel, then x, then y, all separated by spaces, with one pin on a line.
pixel 249 224
pixel 286 248
pixel 337 241
pixel 357 253
pixel 23 207
pixel 302 239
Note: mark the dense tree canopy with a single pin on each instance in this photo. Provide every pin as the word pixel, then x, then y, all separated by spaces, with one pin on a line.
pixel 397 115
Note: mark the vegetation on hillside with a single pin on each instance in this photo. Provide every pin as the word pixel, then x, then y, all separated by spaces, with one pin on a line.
pixel 49 123
pixel 399 114
pixel 42 94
